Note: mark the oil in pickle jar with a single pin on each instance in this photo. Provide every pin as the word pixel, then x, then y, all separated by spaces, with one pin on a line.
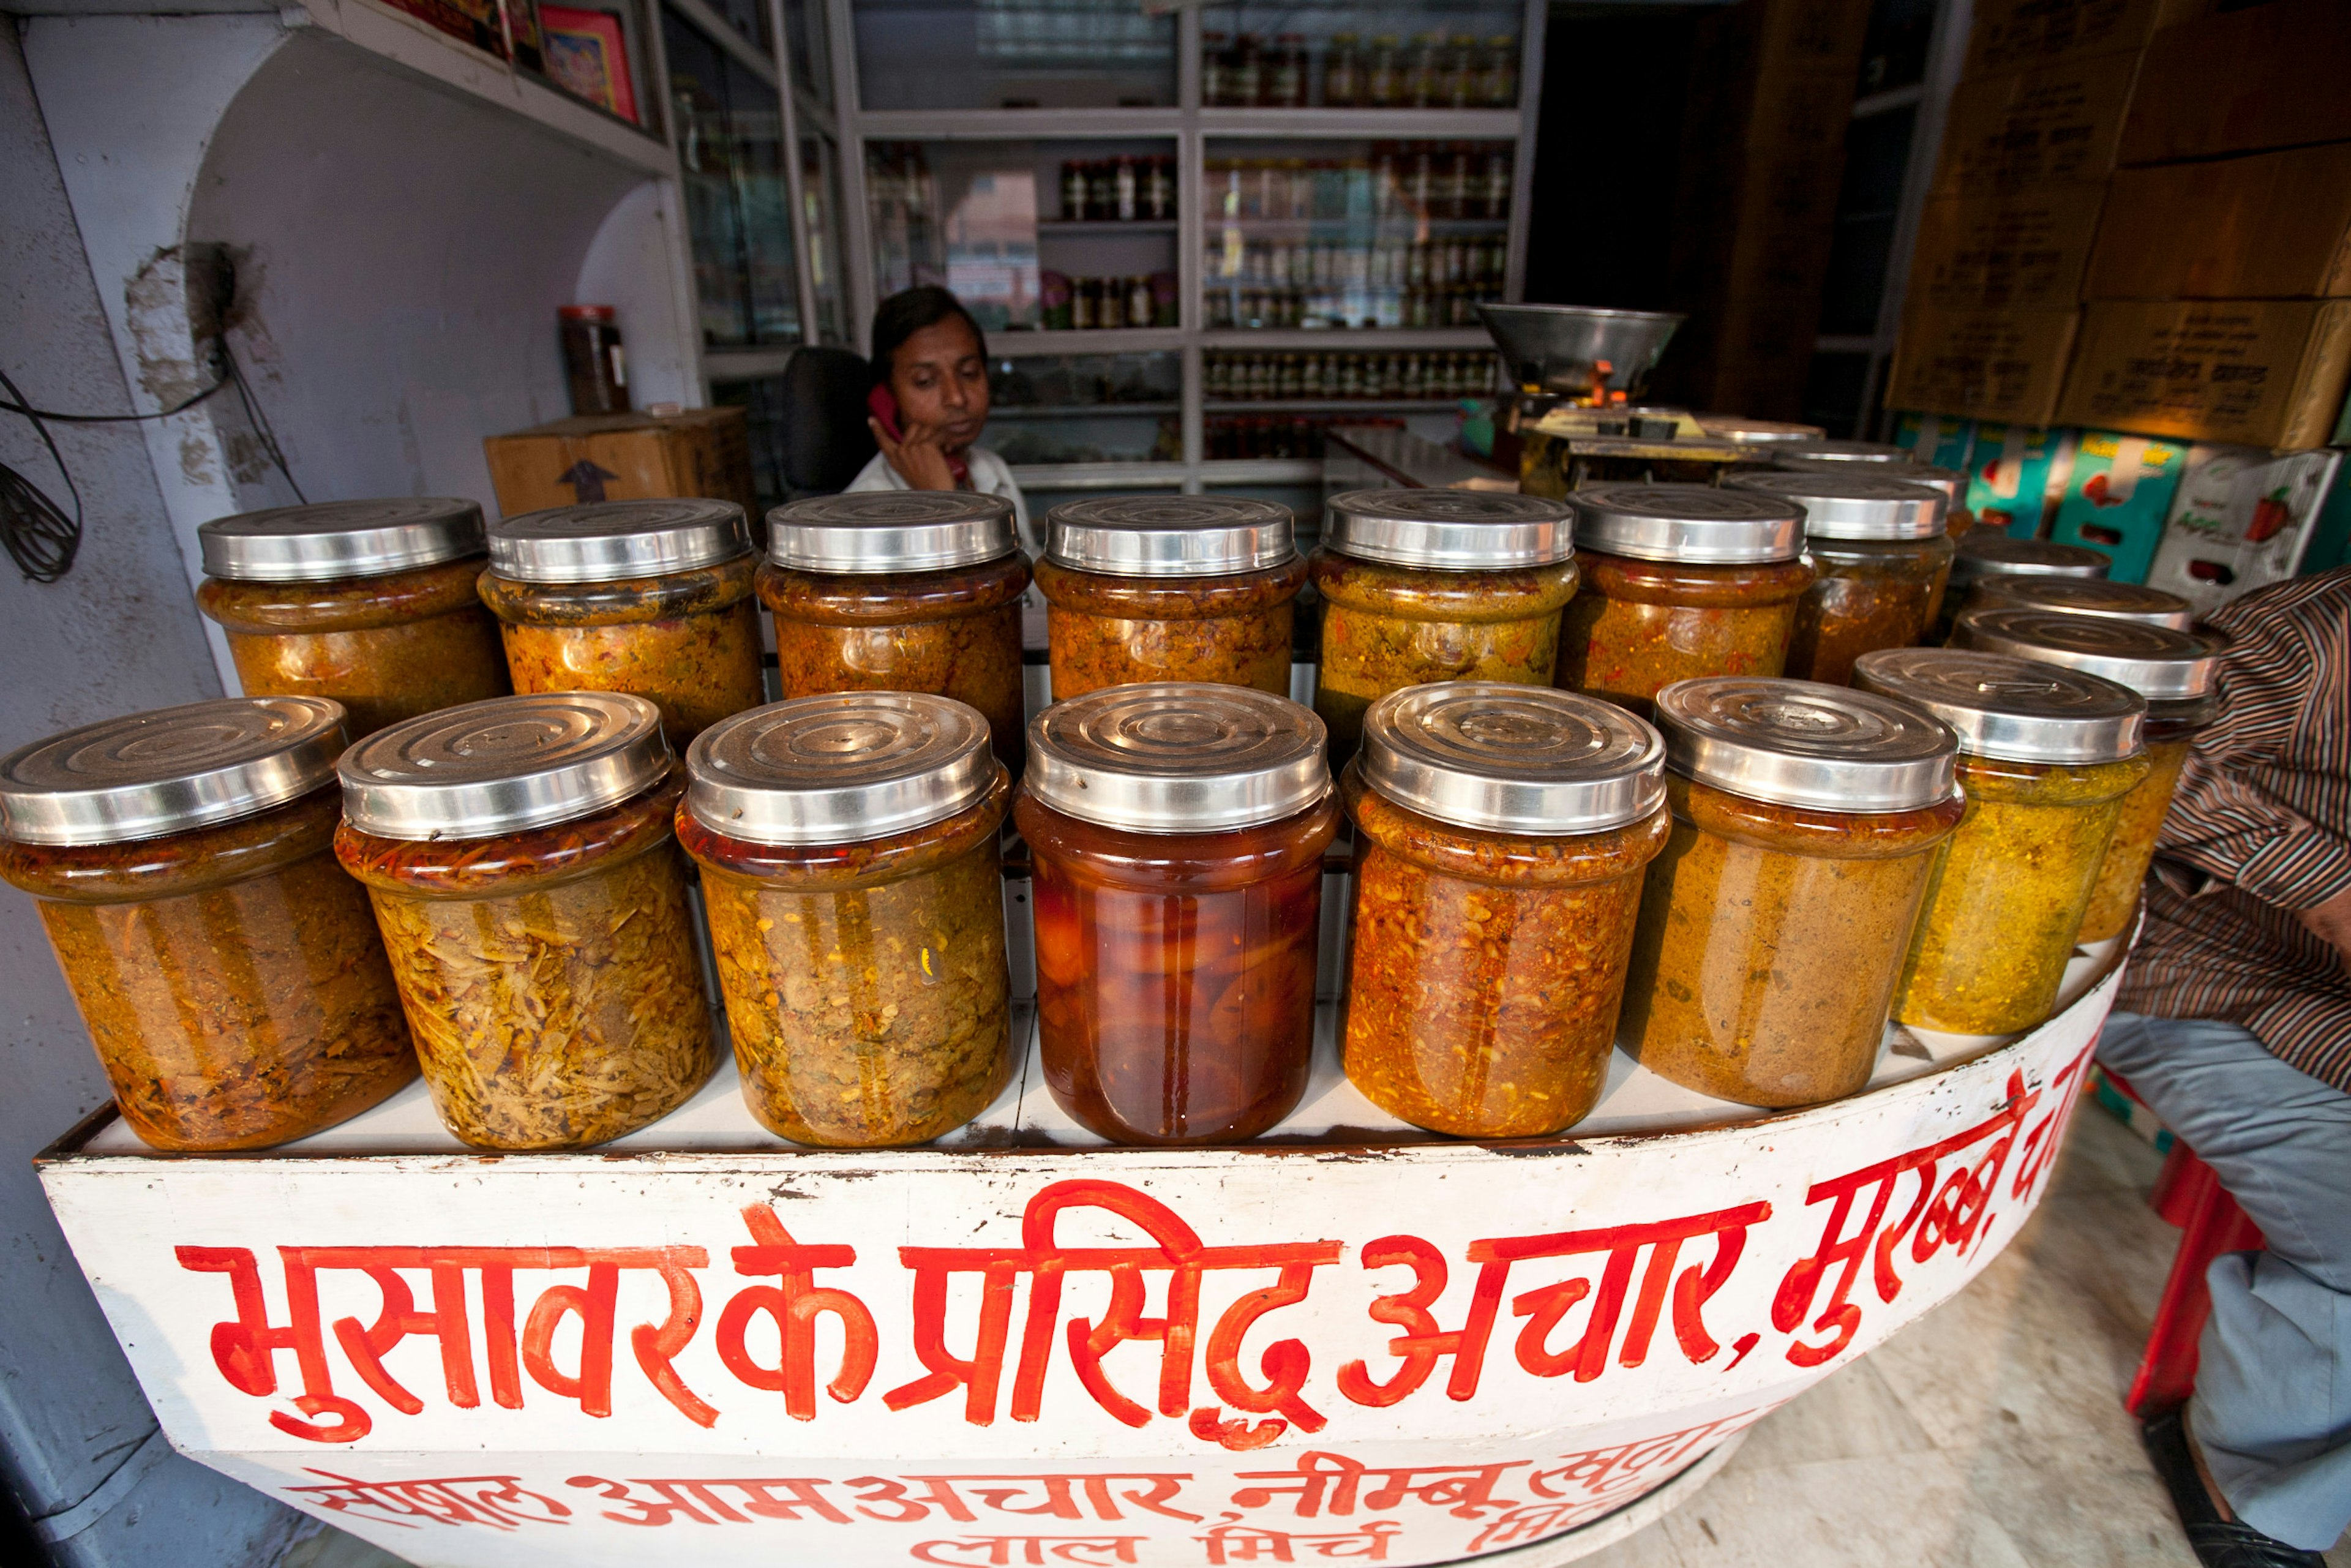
pixel 229 973
pixel 1878 544
pixel 1774 926
pixel 1169 587
pixel 1435 585
pixel 1986 552
pixel 908 591
pixel 1679 581
pixel 2094 596
pixel 648 596
pixel 1501 832
pixel 522 859
pixel 1176 832
pixel 2046 757
pixel 2178 674
pixel 851 869
pixel 371 603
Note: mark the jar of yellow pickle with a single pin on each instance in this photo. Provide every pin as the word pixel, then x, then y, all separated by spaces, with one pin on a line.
pixel 1878 544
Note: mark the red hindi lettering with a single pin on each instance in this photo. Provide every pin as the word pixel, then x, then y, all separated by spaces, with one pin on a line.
pixel 795 1304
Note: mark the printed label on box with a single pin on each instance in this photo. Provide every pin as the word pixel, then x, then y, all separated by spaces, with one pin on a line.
pixel 1941 440
pixel 2015 469
pixel 2118 497
pixel 2242 518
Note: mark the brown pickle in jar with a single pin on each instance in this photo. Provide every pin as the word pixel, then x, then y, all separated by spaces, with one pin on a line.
pixel 1641 625
pixel 1870 594
pixel 1106 630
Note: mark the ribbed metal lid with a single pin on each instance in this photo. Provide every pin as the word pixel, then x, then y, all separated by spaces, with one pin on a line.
pixel 1462 530
pixel 2011 710
pixel 1840 451
pixel 892 530
pixel 608 541
pixel 1520 758
pixel 330 539
pixel 1746 432
pixel 1983 552
pixel 148 774
pixel 1178 757
pixel 838 769
pixel 1799 743
pixel 1696 523
pixel 2158 663
pixel 503 765
pixel 1170 536
pixel 1951 482
pixel 2085 596
pixel 1856 503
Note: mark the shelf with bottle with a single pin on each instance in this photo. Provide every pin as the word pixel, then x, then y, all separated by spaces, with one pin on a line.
pixel 1433 375
pixel 1122 190
pixel 1286 436
pixel 1361 187
pixel 1347 70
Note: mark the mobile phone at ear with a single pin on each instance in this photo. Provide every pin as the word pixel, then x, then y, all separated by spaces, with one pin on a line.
pixel 883 406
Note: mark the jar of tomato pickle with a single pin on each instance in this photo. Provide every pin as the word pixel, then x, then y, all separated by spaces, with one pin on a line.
pixel 371 603
pixel 1177 833
pixel 2094 596
pixel 1987 552
pixel 1681 580
pixel 1169 587
pixel 229 973
pixel 2046 755
pixel 1435 585
pixel 1806 821
pixel 909 590
pixel 649 597
pixel 525 876
pixel 1879 545
pixel 851 870
pixel 2176 672
pixel 1500 836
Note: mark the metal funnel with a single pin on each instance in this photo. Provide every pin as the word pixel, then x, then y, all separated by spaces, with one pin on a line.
pixel 1562 348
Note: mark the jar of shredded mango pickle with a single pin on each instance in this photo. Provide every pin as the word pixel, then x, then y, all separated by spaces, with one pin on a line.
pixel 522 861
pixel 1169 587
pixel 2093 596
pixel 1806 821
pixel 1986 552
pixel 229 973
pixel 370 603
pixel 851 870
pixel 2176 672
pixel 1879 545
pixel 2046 757
pixel 1500 836
pixel 1680 580
pixel 649 597
pixel 1435 585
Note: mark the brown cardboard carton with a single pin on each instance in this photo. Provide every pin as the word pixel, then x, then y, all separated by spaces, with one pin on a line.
pixel 2257 373
pixel 623 457
pixel 2006 365
pixel 2244 80
pixel 2009 34
pixel 2026 250
pixel 2274 226
pixel 2050 125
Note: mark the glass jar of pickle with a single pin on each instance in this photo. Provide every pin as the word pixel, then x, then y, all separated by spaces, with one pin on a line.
pixel 371 603
pixel 1890 461
pixel 1806 821
pixel 2094 596
pixel 907 590
pixel 1680 580
pixel 649 597
pixel 1986 552
pixel 852 873
pixel 2176 672
pixel 1177 833
pixel 1825 454
pixel 1879 545
pixel 1500 836
pixel 2046 755
pixel 525 873
pixel 1169 587
pixel 1435 585
pixel 229 973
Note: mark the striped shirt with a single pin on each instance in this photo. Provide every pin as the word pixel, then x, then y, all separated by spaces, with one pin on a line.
pixel 2261 826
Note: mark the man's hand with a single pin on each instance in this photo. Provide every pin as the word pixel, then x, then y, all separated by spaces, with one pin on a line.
pixel 917 456
pixel 2331 924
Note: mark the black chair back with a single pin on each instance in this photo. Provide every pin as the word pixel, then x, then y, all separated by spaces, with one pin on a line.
pixel 824 437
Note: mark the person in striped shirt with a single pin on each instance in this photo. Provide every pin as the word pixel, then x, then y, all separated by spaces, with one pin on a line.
pixel 2234 1026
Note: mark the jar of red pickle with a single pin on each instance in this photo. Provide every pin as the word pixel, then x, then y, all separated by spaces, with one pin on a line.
pixel 1500 836
pixel 1987 552
pixel 1879 545
pixel 1680 580
pixel 650 597
pixel 1169 587
pixel 2094 596
pixel 371 603
pixel 851 867
pixel 907 590
pixel 1178 834
pixel 229 973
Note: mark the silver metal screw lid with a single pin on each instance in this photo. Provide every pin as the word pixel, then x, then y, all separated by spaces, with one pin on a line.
pixel 503 765
pixel 838 769
pixel 1746 432
pixel 2011 710
pixel 892 530
pixel 1697 523
pixel 1182 757
pixel 1952 483
pixel 1169 535
pixel 1461 530
pixel 1799 743
pixel 1983 553
pixel 2158 663
pixel 2085 596
pixel 1841 451
pixel 609 542
pixel 330 539
pixel 1520 758
pixel 148 774
pixel 1858 503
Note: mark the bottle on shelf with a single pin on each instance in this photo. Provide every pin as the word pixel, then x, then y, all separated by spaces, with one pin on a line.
pixel 1073 191
pixel 1159 188
pixel 1215 89
pixel 1245 82
pixel 1500 81
pixel 1343 72
pixel 1285 81
pixel 1383 78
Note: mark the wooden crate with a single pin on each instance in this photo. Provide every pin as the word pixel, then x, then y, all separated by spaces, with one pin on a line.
pixel 623 457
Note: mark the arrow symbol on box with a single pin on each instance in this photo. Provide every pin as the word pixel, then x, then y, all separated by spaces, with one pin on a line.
pixel 587 481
